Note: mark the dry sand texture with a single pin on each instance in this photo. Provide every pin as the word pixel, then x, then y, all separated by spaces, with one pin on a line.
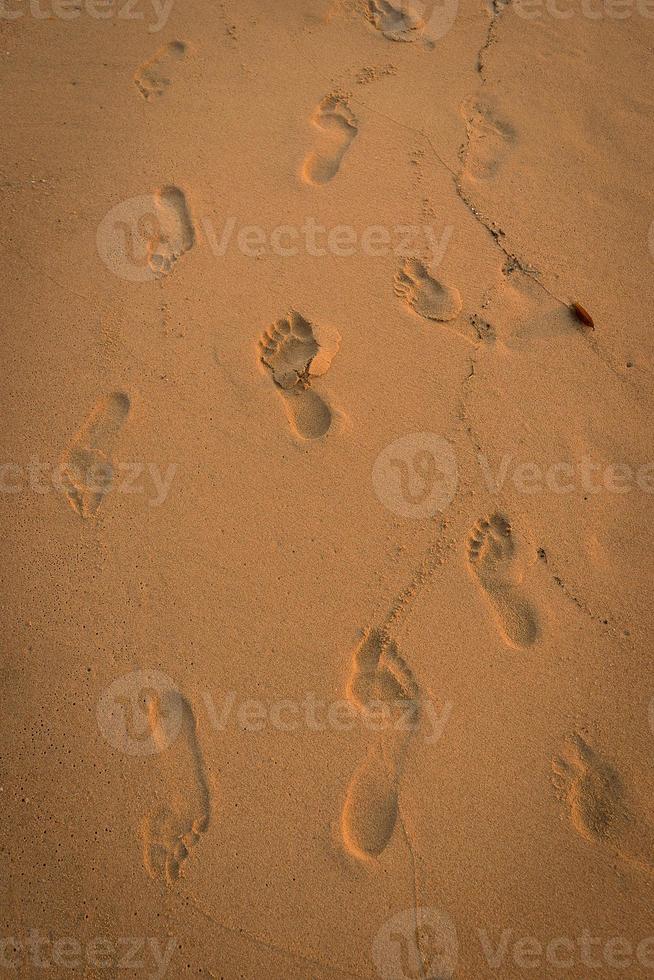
pixel 326 560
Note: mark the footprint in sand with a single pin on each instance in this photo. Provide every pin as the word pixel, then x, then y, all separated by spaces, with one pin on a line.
pixel 177 822
pixel 338 127
pixel 175 233
pixel 599 808
pixel 492 557
pixel 397 20
pixel 379 677
pixel 86 466
pixel 427 296
pixel 490 140
pixel 297 351
pixel 154 76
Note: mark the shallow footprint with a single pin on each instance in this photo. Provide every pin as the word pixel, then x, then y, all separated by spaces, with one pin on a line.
pixel 154 76
pixel 379 677
pixel 175 233
pixel 427 296
pixel 338 127
pixel 397 20
pixel 296 351
pixel 599 810
pixel 490 140
pixel 86 466
pixel 176 825
pixel 492 559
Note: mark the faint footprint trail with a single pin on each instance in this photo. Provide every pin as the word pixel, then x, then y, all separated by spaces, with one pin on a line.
pixel 175 233
pixel 599 808
pixel 490 140
pixel 492 558
pixel 427 296
pixel 397 20
pixel 154 76
pixel 183 813
pixel 337 127
pixel 297 351
pixel 370 812
pixel 86 466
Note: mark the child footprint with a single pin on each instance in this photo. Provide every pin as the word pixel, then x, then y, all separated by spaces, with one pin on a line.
pixel 175 233
pixel 598 806
pixel 154 76
pixel 427 296
pixel 86 466
pixel 296 351
pixel 338 127
pixel 492 559
pixel 380 678
pixel 176 824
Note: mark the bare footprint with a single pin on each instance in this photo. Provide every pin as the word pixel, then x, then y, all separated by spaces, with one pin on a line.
pixel 175 233
pixel 599 809
pixel 427 296
pixel 154 76
pixel 492 558
pixel 338 127
pixel 379 678
pixel 397 20
pixel 297 351
pixel 490 140
pixel 177 822
pixel 86 466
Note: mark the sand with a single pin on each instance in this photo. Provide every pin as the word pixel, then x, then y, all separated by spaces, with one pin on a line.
pixel 326 559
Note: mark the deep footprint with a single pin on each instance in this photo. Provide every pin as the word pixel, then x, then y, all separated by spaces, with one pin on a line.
pixel 87 466
pixel 297 351
pixel 428 297
pixel 175 234
pixel 338 127
pixel 379 675
pixel 490 140
pixel 154 76
pixel 176 825
pixel 599 810
pixel 492 559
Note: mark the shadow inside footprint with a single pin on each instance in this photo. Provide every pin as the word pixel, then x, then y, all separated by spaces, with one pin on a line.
pixel 296 351
pixel 175 233
pixel 492 559
pixel 337 125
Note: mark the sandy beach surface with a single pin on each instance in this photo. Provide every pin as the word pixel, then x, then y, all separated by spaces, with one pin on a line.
pixel 326 551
